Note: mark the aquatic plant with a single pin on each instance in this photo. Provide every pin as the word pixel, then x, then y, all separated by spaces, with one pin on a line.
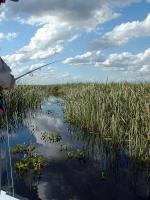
pixel 51 137
pixel 76 154
pixel 20 101
pixel 23 148
pixel 115 111
pixel 30 163
pixel 28 160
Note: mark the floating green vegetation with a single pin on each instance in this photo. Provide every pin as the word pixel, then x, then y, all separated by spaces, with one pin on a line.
pixel 78 154
pixel 72 154
pixel 23 148
pixel 51 137
pixel 30 163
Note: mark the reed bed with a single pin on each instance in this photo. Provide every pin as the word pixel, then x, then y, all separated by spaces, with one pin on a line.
pixel 116 111
pixel 20 101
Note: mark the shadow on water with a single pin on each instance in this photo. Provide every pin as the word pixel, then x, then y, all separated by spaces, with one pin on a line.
pixel 102 171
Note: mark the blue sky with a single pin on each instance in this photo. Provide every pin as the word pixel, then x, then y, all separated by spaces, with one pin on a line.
pixel 97 40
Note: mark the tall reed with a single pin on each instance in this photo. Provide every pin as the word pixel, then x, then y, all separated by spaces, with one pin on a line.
pixel 120 111
pixel 20 101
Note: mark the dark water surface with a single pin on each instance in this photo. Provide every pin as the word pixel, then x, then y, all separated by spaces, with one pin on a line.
pixel 101 175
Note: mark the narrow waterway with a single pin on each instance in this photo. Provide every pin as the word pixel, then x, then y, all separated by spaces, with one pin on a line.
pixel 99 175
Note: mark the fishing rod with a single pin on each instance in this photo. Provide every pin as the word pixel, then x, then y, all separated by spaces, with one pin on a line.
pixel 29 72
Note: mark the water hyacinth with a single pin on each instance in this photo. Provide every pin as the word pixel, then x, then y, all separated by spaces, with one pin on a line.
pixel 23 148
pixel 30 163
pixel 29 160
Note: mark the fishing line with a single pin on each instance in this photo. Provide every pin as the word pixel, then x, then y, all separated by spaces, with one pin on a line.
pixel 0 169
pixel 1 164
pixel 7 172
pixel 9 151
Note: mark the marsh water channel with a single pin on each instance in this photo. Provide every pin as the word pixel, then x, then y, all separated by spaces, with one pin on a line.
pixel 103 173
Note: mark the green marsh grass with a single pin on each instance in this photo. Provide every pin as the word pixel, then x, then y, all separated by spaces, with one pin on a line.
pixel 21 100
pixel 116 111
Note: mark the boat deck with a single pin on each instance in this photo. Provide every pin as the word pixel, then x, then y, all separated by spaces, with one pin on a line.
pixel 5 196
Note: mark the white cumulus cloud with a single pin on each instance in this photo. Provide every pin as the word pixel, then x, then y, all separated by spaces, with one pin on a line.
pixel 124 61
pixel 123 33
pixel 47 41
pixel 86 58
pixel 86 13
pixel 59 22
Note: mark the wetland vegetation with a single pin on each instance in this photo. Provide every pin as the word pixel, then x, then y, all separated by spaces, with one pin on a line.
pixel 114 124
pixel 116 112
pixel 119 112
pixel 20 101
pixel 27 160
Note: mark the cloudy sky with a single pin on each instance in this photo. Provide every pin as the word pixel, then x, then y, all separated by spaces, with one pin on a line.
pixel 97 40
